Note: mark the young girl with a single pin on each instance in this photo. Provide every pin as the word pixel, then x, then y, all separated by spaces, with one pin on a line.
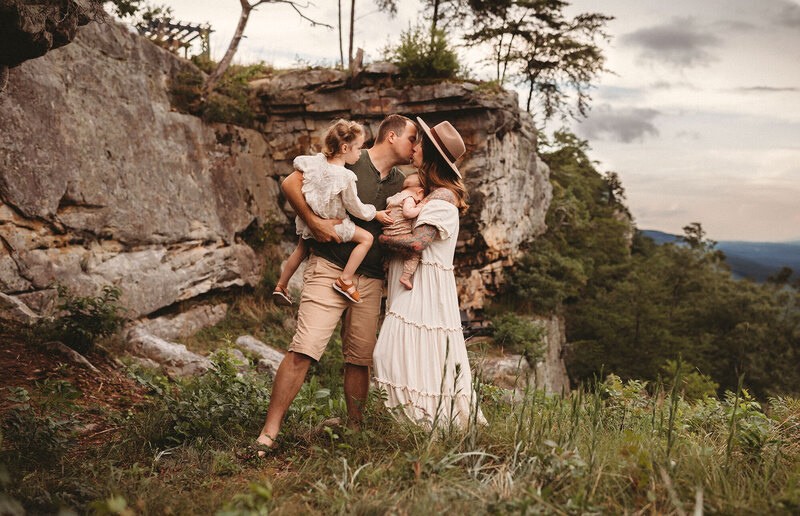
pixel 330 191
pixel 403 207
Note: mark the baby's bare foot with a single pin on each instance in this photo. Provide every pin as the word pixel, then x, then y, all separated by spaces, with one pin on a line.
pixel 406 283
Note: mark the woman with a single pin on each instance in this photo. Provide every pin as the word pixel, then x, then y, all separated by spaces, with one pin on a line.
pixel 420 358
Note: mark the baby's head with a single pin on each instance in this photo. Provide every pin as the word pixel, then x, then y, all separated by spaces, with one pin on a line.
pixel 344 138
pixel 412 182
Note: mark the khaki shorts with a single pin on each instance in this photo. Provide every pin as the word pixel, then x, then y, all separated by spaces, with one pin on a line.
pixel 321 308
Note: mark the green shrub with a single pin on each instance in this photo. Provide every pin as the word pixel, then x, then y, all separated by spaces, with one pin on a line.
pixel 185 92
pixel 417 58
pixel 39 429
pixel 81 320
pixel 519 335
pixel 694 384
pixel 231 101
pixel 217 404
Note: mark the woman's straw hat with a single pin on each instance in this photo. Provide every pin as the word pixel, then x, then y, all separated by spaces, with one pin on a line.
pixel 447 141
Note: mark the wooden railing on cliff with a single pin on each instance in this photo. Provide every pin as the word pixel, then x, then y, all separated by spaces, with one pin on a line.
pixel 177 35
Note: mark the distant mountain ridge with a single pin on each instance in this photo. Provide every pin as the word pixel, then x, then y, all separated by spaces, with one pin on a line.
pixel 748 259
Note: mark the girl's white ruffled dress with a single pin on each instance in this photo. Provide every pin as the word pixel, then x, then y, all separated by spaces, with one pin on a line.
pixel 330 191
pixel 420 358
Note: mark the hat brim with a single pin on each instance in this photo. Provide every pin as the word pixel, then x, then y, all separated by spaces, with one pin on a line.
pixel 438 147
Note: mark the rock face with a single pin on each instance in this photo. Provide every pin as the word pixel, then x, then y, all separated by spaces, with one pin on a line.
pixel 508 184
pixel 183 324
pixel 512 371
pixel 30 29
pixel 101 182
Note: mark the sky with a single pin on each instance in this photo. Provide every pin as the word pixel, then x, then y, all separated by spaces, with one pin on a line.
pixel 699 113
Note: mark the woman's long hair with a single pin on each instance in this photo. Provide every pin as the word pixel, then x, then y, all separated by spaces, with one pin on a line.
pixel 437 173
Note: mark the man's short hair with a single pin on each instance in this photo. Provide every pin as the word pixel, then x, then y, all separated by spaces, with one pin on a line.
pixel 392 123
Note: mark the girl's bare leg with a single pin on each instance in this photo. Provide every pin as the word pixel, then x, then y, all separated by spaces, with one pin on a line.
pixel 297 256
pixel 363 238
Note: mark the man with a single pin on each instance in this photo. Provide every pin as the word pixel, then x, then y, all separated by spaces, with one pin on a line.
pixel 321 307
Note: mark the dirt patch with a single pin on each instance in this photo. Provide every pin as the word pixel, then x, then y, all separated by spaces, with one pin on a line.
pixel 109 390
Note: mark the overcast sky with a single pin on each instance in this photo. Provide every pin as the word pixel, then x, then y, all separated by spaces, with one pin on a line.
pixel 700 115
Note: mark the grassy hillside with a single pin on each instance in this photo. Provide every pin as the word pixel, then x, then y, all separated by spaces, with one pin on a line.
pixel 617 448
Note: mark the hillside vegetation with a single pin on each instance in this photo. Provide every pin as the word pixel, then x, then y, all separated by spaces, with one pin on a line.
pixel 633 306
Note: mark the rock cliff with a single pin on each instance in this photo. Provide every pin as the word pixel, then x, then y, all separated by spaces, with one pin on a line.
pixel 507 182
pixel 101 182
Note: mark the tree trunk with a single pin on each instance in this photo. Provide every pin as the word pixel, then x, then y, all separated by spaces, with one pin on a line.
pixel 352 22
pixel 530 96
pixel 341 44
pixel 435 17
pixel 215 76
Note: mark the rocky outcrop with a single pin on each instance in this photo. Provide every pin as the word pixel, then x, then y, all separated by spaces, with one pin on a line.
pixel 184 324
pixel 514 373
pixel 102 182
pixel 31 29
pixel 157 353
pixel 268 357
pixel 508 184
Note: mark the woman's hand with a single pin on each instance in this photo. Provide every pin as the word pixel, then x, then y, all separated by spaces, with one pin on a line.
pixel 383 217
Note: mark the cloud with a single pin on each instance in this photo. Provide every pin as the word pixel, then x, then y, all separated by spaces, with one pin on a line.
pixel 765 89
pixel 789 14
pixel 623 125
pixel 680 43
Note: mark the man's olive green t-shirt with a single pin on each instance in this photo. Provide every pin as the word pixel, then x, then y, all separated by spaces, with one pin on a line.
pixel 371 190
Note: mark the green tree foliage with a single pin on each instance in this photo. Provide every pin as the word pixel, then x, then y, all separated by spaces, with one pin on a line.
pixel 124 8
pixel 537 44
pixel 419 57
pixel 519 335
pixel 631 306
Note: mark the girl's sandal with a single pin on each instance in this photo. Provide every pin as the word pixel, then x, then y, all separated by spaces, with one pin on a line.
pixel 347 289
pixel 281 297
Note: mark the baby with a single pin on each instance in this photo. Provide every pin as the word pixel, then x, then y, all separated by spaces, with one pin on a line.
pixel 403 207
pixel 330 191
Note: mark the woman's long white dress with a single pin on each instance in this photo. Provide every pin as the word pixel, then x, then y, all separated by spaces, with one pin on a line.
pixel 421 339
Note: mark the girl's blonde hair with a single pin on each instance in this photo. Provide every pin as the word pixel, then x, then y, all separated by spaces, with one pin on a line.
pixel 340 132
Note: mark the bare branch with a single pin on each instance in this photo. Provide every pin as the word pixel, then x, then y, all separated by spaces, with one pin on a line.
pixel 297 8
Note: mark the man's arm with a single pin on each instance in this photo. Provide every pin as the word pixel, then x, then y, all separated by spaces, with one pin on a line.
pixel 322 229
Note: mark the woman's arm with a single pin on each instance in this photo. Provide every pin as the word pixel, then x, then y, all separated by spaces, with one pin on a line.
pixel 323 230
pixel 415 242
pixel 423 235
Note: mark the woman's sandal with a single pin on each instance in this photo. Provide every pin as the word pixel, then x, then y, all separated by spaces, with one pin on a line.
pixel 347 289
pixel 281 297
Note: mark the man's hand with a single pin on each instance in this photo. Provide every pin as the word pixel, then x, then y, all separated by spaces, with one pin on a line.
pixel 383 217
pixel 323 229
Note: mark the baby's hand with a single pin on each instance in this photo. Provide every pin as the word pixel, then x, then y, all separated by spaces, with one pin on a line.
pixel 383 217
